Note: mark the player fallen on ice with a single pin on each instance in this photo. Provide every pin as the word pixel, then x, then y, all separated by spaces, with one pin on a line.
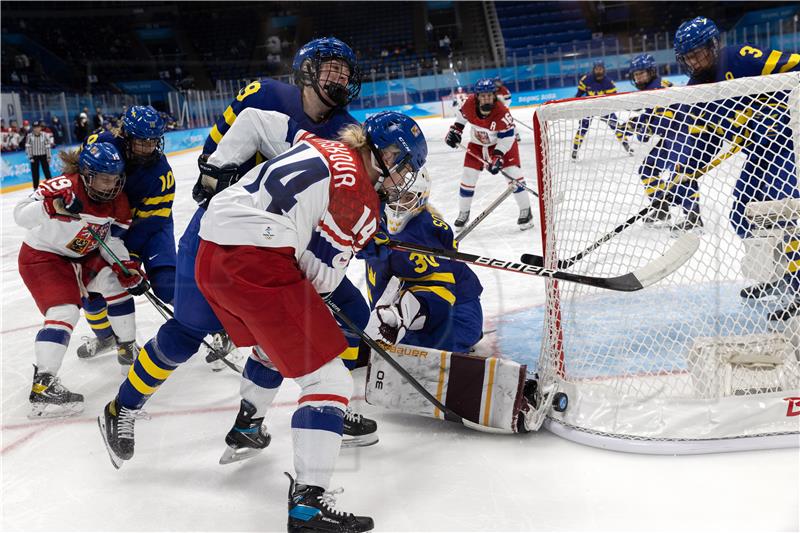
pixel 150 188
pixel 492 146
pixel 593 84
pixel 272 246
pixel 60 260
pixel 433 303
pixel 765 137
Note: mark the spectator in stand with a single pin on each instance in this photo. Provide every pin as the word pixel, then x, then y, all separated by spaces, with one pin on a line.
pixel 47 132
pixel 3 134
pixel 13 137
pixel 97 120
pixel 23 133
pixel 81 128
pixel 37 146
pixel 58 130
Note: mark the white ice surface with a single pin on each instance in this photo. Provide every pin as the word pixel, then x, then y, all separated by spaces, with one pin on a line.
pixel 423 475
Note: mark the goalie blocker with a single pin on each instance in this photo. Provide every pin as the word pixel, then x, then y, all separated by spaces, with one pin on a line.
pixel 490 391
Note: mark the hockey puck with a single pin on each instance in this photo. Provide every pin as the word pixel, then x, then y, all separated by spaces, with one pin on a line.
pixel 560 402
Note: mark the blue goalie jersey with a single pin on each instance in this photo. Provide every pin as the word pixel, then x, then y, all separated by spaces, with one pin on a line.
pixel 449 290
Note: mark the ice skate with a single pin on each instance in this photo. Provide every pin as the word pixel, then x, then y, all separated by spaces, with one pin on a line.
pixel 525 219
pixel 50 399
pixel 658 214
pixel 692 222
pixel 762 290
pixel 126 355
pixel 222 345
pixel 313 509
pixel 463 216
pixel 116 427
pixel 93 346
pixel 247 437
pixel 359 431
pixel 785 313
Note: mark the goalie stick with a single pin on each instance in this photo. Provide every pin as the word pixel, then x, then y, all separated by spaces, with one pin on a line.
pixel 449 414
pixel 538 260
pixel 680 251
pixel 162 308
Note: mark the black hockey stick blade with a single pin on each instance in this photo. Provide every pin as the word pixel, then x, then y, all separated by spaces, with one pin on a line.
pixel 680 251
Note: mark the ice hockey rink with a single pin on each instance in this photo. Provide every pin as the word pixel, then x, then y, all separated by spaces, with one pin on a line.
pixel 423 475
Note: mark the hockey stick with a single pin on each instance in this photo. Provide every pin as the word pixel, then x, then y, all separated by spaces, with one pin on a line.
pixel 681 250
pixel 503 172
pixel 499 200
pixel 449 414
pixel 162 308
pixel 538 260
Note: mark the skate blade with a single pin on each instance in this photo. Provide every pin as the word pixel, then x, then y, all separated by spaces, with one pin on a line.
pixel 523 227
pixel 115 459
pixel 359 442
pixel 65 410
pixel 536 419
pixel 234 455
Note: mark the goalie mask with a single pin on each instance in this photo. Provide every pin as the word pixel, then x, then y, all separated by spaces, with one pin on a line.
pixel 411 203
pixel 102 171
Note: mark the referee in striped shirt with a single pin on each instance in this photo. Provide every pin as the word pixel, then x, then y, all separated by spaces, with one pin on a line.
pixel 37 146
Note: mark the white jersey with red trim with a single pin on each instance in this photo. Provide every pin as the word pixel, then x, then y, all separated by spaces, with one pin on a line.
pixel 316 198
pixel 495 129
pixel 504 95
pixel 110 220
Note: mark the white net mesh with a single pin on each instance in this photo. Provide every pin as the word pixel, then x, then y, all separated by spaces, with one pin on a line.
pixel 682 159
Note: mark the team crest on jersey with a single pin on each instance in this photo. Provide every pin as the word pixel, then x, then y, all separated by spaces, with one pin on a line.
pixel 84 242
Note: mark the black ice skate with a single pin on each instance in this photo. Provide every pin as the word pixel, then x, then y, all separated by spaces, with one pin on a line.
pixel 692 222
pixel 50 399
pixel 628 148
pixel 658 214
pixel 785 313
pixel 762 290
pixel 126 354
pixel 525 219
pixel 463 216
pixel 94 346
pixel 359 431
pixel 222 346
pixel 247 437
pixel 116 427
pixel 312 509
pixel 574 154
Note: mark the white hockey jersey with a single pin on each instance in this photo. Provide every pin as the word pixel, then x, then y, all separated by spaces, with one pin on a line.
pixel 495 129
pixel 70 238
pixel 316 198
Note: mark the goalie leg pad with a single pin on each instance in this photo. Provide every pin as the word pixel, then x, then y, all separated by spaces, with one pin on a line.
pixel 484 390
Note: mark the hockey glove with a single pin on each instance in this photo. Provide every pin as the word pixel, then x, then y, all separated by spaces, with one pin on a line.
pixel 497 162
pixel 453 138
pixel 388 324
pixel 134 282
pixel 374 251
pixel 212 179
pixel 60 201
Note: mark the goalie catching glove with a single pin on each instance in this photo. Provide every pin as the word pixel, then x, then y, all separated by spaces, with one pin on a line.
pixel 395 315
pixel 134 281
pixel 212 180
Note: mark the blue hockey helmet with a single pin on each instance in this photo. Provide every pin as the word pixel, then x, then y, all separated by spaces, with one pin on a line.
pixel 102 170
pixel 143 128
pixel 485 85
pixel 598 63
pixel 646 63
pixel 402 136
pixel 307 67
pixel 699 34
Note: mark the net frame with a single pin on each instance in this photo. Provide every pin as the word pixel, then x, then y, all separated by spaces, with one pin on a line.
pixel 642 413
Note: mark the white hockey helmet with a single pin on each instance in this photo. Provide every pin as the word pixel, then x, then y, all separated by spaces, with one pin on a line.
pixel 410 203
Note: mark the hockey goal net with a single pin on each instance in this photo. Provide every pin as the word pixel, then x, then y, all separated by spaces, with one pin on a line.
pixel 452 103
pixel 697 362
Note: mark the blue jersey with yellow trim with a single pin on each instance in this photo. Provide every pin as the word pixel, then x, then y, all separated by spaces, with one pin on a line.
pixel 658 83
pixel 742 61
pixel 439 283
pixel 591 86
pixel 150 189
pixel 271 95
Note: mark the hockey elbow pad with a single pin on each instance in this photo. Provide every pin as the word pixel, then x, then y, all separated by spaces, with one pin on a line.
pixel 212 180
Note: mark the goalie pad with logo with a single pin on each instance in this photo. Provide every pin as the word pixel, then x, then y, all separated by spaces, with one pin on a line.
pixel 486 390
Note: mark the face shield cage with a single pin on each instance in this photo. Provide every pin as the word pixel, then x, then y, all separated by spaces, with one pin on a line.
pixel 711 49
pixel 139 159
pixel 91 181
pixel 335 92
